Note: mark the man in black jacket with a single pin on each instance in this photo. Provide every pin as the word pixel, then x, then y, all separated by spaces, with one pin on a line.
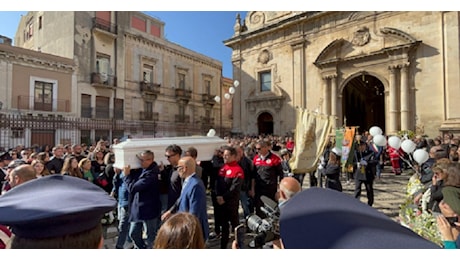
pixel 54 165
pixel 365 171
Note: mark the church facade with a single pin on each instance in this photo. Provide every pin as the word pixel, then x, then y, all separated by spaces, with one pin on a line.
pixel 395 70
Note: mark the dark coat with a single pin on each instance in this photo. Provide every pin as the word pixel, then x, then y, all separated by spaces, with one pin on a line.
pixel 332 172
pixel 144 193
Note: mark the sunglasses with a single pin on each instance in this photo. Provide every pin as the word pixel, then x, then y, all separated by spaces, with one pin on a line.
pixel 169 156
pixel 258 148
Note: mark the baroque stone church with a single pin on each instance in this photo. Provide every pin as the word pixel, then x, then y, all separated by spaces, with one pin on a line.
pixel 396 70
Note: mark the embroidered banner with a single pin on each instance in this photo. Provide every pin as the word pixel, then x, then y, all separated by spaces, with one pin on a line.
pixel 347 148
pixel 311 136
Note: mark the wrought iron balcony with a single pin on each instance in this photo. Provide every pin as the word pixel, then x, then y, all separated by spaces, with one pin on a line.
pixel 208 99
pixel 104 80
pixel 151 116
pixel 182 119
pixel 61 105
pixel 149 88
pixel 104 25
pixel 183 94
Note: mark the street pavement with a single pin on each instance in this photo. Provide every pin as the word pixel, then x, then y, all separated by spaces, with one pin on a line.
pixel 389 193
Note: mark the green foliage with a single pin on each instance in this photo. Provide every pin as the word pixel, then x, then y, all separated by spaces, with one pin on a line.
pixel 410 134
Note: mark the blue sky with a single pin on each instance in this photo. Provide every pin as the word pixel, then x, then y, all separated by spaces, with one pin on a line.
pixel 199 31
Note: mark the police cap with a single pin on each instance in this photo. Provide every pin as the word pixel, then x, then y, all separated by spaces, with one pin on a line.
pixel 53 206
pixel 5 156
pixel 319 218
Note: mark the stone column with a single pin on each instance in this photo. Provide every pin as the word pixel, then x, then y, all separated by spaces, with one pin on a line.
pixel 326 97
pixel 405 124
pixel 392 128
pixel 334 99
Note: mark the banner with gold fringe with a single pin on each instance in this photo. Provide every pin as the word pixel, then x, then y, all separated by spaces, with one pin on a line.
pixel 311 136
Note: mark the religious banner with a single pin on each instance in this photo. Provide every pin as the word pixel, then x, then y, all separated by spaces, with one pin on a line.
pixel 311 137
pixel 348 148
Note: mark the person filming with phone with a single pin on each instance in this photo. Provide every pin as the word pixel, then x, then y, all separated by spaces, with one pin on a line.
pixel 448 222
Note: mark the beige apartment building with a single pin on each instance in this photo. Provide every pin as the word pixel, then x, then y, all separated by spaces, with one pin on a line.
pixel 130 80
pixel 37 91
pixel 396 70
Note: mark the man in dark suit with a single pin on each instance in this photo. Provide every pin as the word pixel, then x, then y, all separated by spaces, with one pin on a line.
pixel 144 199
pixel 193 195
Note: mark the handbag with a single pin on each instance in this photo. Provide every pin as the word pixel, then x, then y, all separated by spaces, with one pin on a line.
pixel 102 180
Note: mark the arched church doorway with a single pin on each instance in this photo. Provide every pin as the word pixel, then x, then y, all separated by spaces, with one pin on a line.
pixel 265 123
pixel 363 103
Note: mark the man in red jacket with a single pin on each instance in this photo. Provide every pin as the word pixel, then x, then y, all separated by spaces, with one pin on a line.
pixel 269 173
pixel 228 187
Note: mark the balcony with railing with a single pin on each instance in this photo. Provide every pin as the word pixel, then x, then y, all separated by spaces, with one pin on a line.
pixel 183 94
pixel 103 80
pixel 149 90
pixel 104 26
pixel 30 103
pixel 150 116
pixel 208 99
pixel 182 119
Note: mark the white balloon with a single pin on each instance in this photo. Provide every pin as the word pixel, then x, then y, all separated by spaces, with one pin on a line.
pixel 375 130
pixel 236 83
pixel 380 140
pixel 394 142
pixel 211 132
pixel 231 90
pixel 217 99
pixel 227 96
pixel 408 146
pixel 420 156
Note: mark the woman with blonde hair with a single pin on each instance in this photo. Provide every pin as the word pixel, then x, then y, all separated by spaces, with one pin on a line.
pixel 181 231
pixel 39 167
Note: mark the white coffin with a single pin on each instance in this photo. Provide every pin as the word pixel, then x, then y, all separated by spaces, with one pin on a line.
pixel 125 152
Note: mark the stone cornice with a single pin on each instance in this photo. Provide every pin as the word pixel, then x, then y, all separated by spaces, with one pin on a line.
pixel 173 51
pixel 274 26
pixel 31 60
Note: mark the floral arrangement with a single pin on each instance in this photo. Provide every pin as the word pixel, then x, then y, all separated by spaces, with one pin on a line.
pixel 413 217
pixel 410 134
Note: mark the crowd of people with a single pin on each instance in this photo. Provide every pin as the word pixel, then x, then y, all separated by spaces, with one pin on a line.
pixel 166 206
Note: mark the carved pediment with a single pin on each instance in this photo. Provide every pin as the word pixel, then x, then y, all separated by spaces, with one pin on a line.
pixel 362 44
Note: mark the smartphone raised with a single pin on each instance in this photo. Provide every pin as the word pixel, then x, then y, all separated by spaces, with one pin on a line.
pixel 452 221
pixel 240 231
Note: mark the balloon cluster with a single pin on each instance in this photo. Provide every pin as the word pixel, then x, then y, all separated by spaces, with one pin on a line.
pixel 231 91
pixel 211 133
pixel 407 145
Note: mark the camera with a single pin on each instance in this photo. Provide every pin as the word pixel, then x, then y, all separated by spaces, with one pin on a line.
pixel 266 229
